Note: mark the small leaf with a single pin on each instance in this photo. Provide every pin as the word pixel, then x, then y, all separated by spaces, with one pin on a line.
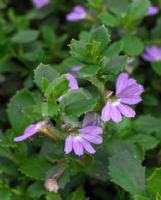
pixel 89 70
pixel 44 72
pixel 140 197
pixel 101 35
pixel 25 36
pixel 154 182
pixel 132 45
pixel 109 19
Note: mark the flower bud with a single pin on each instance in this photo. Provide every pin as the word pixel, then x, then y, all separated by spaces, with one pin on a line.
pixel 51 185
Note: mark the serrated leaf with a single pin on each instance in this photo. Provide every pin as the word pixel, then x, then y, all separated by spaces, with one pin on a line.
pixel 118 7
pixel 18 102
pixel 35 167
pixel 154 182
pixel 25 36
pixel 57 88
pixel 44 72
pixel 125 168
pixel 36 190
pixel 101 35
pixel 77 102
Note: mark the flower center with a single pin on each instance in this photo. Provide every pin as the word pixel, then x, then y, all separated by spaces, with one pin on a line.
pixel 114 101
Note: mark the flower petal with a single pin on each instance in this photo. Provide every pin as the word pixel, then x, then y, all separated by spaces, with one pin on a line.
pixel 73 84
pixel 77 147
pixel 95 139
pixel 131 100
pixel 126 110
pixel 121 82
pixel 115 114
pixel 29 131
pixel 87 146
pixel 68 144
pixel 93 130
pixel 105 115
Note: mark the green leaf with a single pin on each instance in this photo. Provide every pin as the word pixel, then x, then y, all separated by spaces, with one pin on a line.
pixel 78 50
pixel 89 70
pixel 147 124
pixel 25 36
pixel 148 142
pixel 21 100
pixel 47 109
pixel 53 196
pixel 125 168
pixel 132 45
pixel 78 194
pixel 44 72
pixel 101 35
pixel 118 7
pixel 77 102
pixel 115 64
pixel 5 193
pixel 154 182
pixel 156 66
pixel 109 19
pixel 36 190
pixel 35 167
pixel 138 9
pixel 57 88
pixel 113 50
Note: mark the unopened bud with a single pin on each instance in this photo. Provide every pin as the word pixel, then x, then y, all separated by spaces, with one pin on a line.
pixel 51 185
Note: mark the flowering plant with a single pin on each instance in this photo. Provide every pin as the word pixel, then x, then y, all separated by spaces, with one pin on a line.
pixel 84 119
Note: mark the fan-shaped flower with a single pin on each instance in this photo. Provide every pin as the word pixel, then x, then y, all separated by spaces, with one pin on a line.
pixel 128 92
pixel 80 141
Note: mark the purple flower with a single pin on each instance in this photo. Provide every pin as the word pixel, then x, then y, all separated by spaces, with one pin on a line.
pixel 78 13
pixel 80 141
pixel 30 131
pixel 128 92
pixel 153 10
pixel 152 54
pixel 40 3
pixel 76 68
